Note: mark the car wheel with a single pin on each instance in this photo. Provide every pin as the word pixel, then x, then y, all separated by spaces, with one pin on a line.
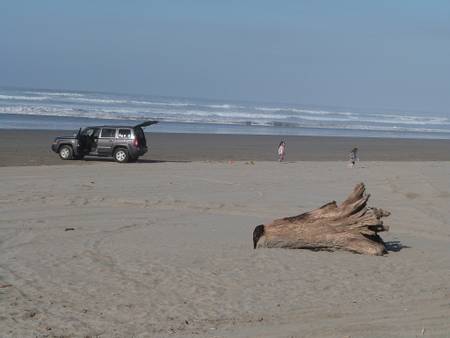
pixel 66 152
pixel 121 155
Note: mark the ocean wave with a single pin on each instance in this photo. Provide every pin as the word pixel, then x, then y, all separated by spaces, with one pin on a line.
pixel 231 117
pixel 410 119
pixel 201 117
pixel 98 100
pixel 23 98
pixel 185 104
pixel 57 94
pixel 305 111
pixel 224 106
pixel 139 107
pixel 151 103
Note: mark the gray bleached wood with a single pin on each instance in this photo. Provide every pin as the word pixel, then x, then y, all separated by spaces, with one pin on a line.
pixel 351 226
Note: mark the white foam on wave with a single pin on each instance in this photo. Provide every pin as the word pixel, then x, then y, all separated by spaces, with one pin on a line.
pixel 98 100
pixel 224 106
pixel 63 111
pixel 185 104
pixel 229 115
pixel 23 98
pixel 304 111
pixel 170 104
pixel 64 94
pixel 408 119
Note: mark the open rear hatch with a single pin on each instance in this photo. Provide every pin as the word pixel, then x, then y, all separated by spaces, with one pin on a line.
pixel 145 124
pixel 140 133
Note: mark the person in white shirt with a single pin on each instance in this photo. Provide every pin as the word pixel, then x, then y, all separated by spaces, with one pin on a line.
pixel 281 151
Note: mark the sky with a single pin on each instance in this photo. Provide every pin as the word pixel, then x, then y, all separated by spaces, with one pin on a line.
pixel 366 54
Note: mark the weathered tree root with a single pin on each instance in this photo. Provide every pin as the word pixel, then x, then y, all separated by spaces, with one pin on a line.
pixel 351 226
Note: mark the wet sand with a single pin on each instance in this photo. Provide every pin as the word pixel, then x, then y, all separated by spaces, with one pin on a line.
pixel 25 147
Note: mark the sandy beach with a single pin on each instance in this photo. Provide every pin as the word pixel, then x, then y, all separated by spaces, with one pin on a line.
pixel 164 249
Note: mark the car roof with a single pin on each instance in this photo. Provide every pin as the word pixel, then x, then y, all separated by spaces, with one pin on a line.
pixel 113 127
pixel 140 125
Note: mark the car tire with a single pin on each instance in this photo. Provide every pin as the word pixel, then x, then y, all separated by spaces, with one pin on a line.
pixel 121 155
pixel 65 152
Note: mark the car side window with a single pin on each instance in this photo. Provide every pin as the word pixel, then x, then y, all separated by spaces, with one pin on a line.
pixel 108 132
pixel 87 132
pixel 124 133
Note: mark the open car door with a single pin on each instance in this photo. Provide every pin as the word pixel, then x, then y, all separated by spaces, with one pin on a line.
pixel 145 124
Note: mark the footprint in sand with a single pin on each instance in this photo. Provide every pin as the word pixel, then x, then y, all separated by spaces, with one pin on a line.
pixel 444 194
pixel 412 195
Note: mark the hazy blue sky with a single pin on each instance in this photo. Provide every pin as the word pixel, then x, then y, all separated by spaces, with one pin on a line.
pixel 369 54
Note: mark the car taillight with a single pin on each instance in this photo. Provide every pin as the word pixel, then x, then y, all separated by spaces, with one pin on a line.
pixel 136 142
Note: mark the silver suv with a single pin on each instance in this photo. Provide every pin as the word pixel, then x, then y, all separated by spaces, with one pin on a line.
pixel 123 143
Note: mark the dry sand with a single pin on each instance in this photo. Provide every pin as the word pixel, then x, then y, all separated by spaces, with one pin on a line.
pixel 165 250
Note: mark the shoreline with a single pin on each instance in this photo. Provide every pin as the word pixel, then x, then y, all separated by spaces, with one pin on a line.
pixel 32 147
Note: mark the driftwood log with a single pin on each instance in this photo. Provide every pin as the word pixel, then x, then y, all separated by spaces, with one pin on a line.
pixel 350 226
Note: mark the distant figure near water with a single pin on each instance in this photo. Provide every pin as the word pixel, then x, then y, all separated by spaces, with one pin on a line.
pixel 281 151
pixel 353 157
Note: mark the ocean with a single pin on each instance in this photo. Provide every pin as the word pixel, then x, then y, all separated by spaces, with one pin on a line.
pixel 70 110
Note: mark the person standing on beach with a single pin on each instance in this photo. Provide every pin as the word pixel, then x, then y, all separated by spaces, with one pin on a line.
pixel 281 151
pixel 353 157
